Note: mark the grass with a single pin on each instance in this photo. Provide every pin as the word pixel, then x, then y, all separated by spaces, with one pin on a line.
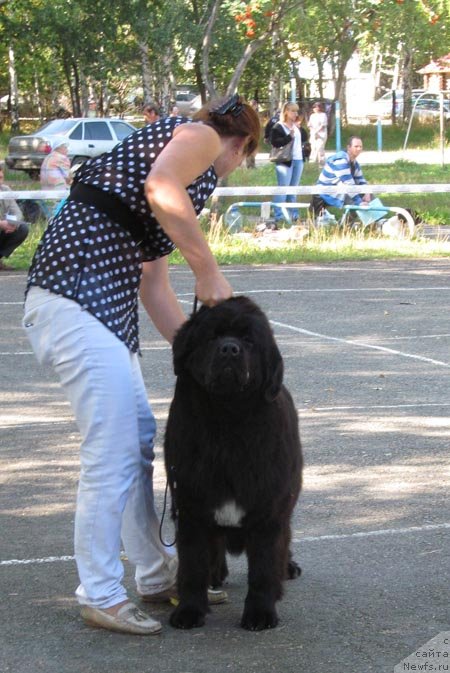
pixel 432 208
pixel 318 247
pixel 421 137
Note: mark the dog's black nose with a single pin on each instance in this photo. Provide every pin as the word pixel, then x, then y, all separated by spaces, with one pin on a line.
pixel 229 348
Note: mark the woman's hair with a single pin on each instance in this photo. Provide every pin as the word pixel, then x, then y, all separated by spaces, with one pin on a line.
pixel 319 105
pixel 287 107
pixel 232 117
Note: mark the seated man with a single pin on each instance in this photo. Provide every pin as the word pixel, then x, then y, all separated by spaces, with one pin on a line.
pixel 341 168
pixel 13 231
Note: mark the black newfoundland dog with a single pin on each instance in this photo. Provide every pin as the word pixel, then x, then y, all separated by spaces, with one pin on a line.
pixel 233 460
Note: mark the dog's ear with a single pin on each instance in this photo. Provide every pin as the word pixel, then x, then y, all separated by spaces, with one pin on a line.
pixel 273 377
pixel 182 346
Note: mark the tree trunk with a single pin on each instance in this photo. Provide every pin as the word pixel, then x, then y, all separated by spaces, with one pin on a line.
pixel 407 86
pixel 14 92
pixel 320 63
pixel 147 79
pixel 250 49
pixel 168 82
pixel 199 76
pixel 76 91
pixel 206 44
pixel 37 95
pixel 274 78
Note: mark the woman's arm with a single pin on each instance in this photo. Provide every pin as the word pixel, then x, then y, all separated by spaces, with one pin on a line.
pixel 10 206
pixel 193 148
pixel 279 137
pixel 159 299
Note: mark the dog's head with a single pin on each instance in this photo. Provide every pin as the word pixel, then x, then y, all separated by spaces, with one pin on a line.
pixel 230 350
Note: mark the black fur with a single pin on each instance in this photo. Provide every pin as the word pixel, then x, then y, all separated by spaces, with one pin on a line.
pixel 232 435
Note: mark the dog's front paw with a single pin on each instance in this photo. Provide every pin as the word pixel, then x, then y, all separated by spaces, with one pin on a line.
pixel 293 570
pixel 187 617
pixel 258 619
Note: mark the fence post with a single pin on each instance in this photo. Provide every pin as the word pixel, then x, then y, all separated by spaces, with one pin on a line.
pixel 338 126
pixel 379 135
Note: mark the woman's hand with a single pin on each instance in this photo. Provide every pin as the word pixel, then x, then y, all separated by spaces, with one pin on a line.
pixel 7 227
pixel 192 150
pixel 213 288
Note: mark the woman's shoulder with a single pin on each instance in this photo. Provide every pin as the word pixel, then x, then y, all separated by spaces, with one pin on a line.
pixel 279 127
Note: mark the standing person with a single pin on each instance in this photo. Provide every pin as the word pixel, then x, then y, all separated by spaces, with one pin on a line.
pixel 341 168
pixel 55 169
pixel 288 173
pixel 251 160
pixel 128 209
pixel 318 128
pixel 13 231
pixel 151 113
pixel 269 126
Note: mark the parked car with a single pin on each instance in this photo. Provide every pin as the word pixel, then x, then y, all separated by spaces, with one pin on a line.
pixel 187 102
pixel 382 107
pixel 429 109
pixel 87 137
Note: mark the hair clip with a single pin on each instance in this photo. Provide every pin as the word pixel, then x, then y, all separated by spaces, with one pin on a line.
pixel 232 106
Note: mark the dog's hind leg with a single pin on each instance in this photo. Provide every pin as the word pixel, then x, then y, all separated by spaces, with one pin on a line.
pixel 293 570
pixel 218 569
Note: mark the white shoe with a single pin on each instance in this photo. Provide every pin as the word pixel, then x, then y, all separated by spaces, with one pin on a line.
pixel 128 619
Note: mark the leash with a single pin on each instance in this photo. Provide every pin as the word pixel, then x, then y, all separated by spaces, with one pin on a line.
pixel 194 308
pixel 174 489
pixel 169 544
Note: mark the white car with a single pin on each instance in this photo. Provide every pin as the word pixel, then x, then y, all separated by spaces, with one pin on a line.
pixel 429 109
pixel 188 102
pixel 426 109
pixel 86 137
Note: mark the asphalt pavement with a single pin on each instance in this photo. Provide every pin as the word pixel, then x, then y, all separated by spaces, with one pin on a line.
pixel 366 348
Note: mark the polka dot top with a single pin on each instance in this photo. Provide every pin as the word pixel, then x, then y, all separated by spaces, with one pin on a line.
pixel 86 256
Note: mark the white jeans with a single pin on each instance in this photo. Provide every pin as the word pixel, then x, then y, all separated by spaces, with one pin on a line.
pixel 103 382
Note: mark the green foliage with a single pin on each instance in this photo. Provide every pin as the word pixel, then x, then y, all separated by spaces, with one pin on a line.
pixel 65 49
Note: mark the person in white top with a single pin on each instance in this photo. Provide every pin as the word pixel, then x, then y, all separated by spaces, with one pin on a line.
pixel 318 127
pixel 288 172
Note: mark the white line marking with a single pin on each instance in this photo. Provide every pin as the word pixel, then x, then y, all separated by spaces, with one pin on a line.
pixel 361 344
pixel 319 538
pixel 143 348
pixel 32 561
pixel 375 533
pixel 356 407
pixel 305 290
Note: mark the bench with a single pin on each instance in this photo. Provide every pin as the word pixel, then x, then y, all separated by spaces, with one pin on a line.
pixel 233 219
pixel 380 212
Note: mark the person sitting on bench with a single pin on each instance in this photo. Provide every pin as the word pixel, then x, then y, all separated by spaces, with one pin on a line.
pixel 341 168
pixel 13 230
